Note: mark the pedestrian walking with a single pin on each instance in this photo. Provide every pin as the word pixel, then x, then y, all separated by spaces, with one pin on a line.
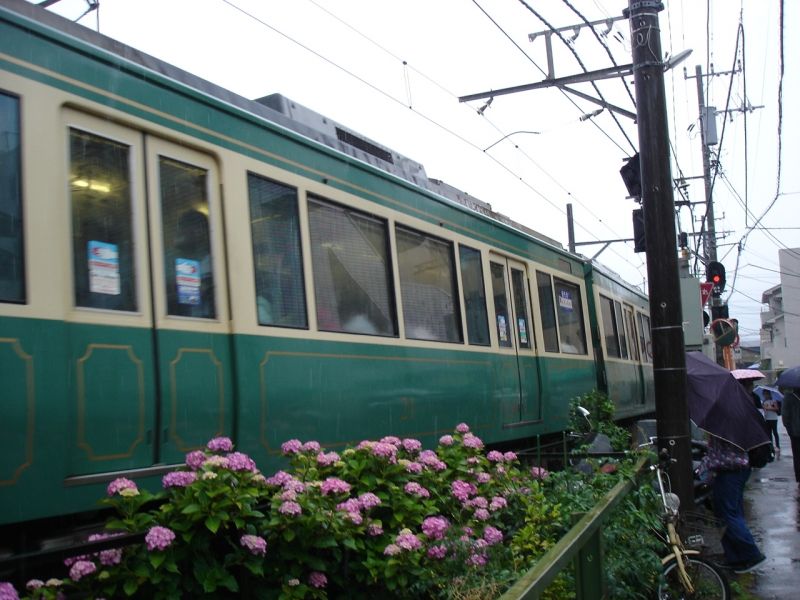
pixel 772 413
pixel 790 413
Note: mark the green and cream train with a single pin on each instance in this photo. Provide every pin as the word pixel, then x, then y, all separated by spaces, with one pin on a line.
pixel 179 263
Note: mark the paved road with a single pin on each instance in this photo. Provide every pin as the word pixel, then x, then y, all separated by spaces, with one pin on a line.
pixel 772 503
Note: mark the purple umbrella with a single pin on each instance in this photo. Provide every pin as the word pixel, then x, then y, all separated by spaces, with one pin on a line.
pixel 790 378
pixel 720 406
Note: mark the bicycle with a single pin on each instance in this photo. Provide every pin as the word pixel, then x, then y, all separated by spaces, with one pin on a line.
pixel 685 575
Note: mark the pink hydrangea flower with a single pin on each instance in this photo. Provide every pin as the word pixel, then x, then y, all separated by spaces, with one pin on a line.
pixel 411 445
pixel 8 591
pixel 497 503
pixel 290 508
pixel 539 473
pixel 349 505
pixel 435 527
pixel 483 478
pixel 81 569
pixel 446 440
pixel 472 441
pixel 462 428
pixel 311 447
pixel 481 514
pixel 368 500
pixel 317 579
pixel 355 517
pixel 391 439
pixel 374 530
pixel 495 456
pixel 33 584
pixel 477 560
pixel 407 540
pixel 255 544
pixel 215 461
pixel 238 461
pixel 220 444
pixel 392 549
pixel 437 552
pixel 492 535
pixel 334 485
pixel 178 479
pixel 291 447
pixel 415 489
pixel 510 456
pixel 385 450
pixel 195 459
pixel 414 468
pixel 478 502
pixel 462 490
pixel 110 557
pixel 159 538
pixel 325 460
pixel 280 478
pixel 120 484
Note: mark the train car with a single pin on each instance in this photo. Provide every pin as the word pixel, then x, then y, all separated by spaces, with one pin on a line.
pixel 178 263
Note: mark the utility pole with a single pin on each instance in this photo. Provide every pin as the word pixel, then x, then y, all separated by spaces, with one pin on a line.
pixel 669 361
pixel 710 240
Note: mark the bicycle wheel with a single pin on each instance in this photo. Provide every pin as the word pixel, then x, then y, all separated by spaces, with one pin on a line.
pixel 708 581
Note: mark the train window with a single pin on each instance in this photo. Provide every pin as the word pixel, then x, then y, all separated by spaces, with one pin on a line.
pixel 102 230
pixel 623 343
pixel 277 257
pixel 12 266
pixel 428 287
pixel 644 337
pixel 501 308
pixel 188 263
pixel 474 296
pixel 631 326
pixel 352 278
pixel 519 289
pixel 570 318
pixel 610 327
pixel 547 311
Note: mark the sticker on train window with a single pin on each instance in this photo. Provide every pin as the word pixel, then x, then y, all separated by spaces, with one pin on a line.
pixel 501 328
pixel 565 300
pixel 103 268
pixel 523 333
pixel 187 275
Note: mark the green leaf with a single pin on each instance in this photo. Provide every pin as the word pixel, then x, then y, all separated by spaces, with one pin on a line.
pixel 130 587
pixel 212 523
pixel 157 559
pixel 326 542
pixel 191 508
pixel 288 534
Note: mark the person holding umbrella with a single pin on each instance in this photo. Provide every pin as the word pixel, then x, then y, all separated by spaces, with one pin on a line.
pixel 722 408
pixel 789 381
pixel 772 412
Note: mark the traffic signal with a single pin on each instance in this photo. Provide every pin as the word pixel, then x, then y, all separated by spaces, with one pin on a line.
pixel 715 273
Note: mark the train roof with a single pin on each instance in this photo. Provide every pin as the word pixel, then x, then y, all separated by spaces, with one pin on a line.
pixel 286 113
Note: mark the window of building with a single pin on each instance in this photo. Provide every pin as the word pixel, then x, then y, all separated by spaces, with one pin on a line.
pixel 474 296
pixel 12 264
pixel 428 287
pixel 188 263
pixel 277 255
pixel 102 222
pixel 547 311
pixel 352 274
pixel 570 318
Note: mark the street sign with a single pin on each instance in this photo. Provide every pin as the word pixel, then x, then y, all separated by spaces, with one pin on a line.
pixel 705 291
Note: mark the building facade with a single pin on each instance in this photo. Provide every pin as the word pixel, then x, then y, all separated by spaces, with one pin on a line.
pixel 780 316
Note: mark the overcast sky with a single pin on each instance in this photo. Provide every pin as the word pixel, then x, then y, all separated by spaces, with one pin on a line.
pixel 393 71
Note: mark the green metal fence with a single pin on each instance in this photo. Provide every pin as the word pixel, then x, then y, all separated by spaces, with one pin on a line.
pixel 582 544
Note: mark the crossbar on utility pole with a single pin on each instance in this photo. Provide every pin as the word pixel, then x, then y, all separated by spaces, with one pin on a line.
pixel 669 361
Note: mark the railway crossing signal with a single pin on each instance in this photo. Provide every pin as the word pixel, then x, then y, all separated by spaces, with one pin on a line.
pixel 715 274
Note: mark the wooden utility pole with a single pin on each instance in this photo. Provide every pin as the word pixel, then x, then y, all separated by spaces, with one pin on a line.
pixel 669 361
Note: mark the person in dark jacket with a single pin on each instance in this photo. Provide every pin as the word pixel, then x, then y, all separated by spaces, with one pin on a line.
pixel 790 413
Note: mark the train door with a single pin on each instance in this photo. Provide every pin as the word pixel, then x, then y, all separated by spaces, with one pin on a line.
pixel 108 331
pixel 512 317
pixel 635 354
pixel 189 282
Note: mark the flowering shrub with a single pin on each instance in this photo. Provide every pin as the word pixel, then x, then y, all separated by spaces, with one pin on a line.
pixel 385 518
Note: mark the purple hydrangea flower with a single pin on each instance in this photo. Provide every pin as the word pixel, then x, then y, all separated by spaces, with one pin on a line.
pixel 238 461
pixel 437 552
pixel 368 500
pixel 374 530
pixel 472 441
pixel 317 579
pixel 110 557
pixel 195 459
pixel 8 591
pixel 355 517
pixel 349 505
pixel 220 444
pixel 280 478
pixel 477 560
pixel 334 485
pixel 290 508
pixel 159 538
pixel 385 450
pixel 255 544
pixel 446 440
pixel 539 473
pixel 478 502
pixel 510 456
pixel 435 527
pixel 462 428
pixel 178 479
pixel 81 569
pixel 497 503
pixel 215 461
pixel 430 459
pixel 392 549
pixel 481 514
pixel 311 447
pixel 492 535
pixel 495 456
pixel 413 467
pixel 462 490
pixel 33 584
pixel 291 447
pixel 483 478
pixel 120 484
pixel 391 439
